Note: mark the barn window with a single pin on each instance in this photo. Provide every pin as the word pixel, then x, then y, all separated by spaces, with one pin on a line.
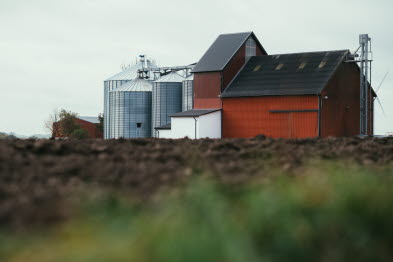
pixel 322 64
pixel 257 68
pixel 138 125
pixel 279 66
pixel 251 48
pixel 302 65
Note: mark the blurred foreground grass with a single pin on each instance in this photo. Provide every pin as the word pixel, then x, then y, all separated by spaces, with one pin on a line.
pixel 330 212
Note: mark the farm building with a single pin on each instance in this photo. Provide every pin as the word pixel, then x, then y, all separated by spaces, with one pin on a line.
pixel 294 96
pixel 237 90
pixel 192 124
pixel 87 123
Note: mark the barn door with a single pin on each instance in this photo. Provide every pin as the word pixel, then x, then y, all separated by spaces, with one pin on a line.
pixel 298 123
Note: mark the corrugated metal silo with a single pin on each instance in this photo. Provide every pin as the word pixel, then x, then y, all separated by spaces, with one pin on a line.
pixel 167 99
pixel 188 93
pixel 116 81
pixel 130 110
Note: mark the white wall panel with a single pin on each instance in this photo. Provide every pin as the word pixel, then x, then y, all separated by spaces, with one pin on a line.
pixel 209 125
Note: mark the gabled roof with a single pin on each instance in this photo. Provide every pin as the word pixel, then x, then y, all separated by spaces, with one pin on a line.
pixel 195 112
pixel 222 50
pixel 90 119
pixel 286 74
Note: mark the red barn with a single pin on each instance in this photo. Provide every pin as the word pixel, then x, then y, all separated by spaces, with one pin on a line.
pixel 295 96
pixel 302 95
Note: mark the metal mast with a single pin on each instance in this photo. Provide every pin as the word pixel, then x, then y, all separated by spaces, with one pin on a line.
pixel 365 82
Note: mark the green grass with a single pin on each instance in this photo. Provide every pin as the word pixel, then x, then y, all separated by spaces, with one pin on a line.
pixel 328 213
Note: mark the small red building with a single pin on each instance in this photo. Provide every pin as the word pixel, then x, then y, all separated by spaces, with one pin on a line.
pixel 88 123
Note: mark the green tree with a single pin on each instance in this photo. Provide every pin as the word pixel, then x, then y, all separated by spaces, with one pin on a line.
pixel 100 126
pixel 79 134
pixel 68 122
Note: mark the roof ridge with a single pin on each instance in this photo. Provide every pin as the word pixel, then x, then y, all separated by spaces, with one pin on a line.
pixel 312 52
pixel 238 33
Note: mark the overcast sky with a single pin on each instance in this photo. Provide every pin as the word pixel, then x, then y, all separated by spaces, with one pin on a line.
pixel 56 54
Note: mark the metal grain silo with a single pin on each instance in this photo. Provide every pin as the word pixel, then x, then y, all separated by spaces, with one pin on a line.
pixel 167 99
pixel 116 81
pixel 188 93
pixel 130 110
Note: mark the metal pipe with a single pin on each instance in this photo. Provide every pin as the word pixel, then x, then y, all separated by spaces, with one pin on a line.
pixel 364 83
pixel 372 56
pixel 358 49
pixel 366 89
pixel 195 127
pixel 361 89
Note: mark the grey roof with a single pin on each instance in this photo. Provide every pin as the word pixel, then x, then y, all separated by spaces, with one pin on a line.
pixel 91 119
pixel 195 112
pixel 131 72
pixel 172 77
pixel 136 85
pixel 261 75
pixel 164 127
pixel 222 50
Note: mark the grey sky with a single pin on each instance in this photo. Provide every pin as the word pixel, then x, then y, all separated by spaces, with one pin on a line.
pixel 56 54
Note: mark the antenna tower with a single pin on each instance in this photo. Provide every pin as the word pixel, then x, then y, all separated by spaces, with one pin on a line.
pixel 364 58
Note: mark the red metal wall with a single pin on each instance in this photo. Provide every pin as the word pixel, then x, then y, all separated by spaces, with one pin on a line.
pixel 91 128
pixel 340 112
pixel 233 67
pixel 207 88
pixel 260 52
pixel 251 116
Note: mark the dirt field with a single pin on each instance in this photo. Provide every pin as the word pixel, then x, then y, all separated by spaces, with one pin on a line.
pixel 38 179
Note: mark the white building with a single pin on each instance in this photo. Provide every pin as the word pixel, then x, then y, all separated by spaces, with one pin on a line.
pixel 194 124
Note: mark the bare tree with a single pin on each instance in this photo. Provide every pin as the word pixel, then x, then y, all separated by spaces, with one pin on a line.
pixel 49 123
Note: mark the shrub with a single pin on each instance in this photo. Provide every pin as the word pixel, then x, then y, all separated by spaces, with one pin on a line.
pixel 79 134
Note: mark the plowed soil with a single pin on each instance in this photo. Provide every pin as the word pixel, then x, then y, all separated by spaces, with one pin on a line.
pixel 38 177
